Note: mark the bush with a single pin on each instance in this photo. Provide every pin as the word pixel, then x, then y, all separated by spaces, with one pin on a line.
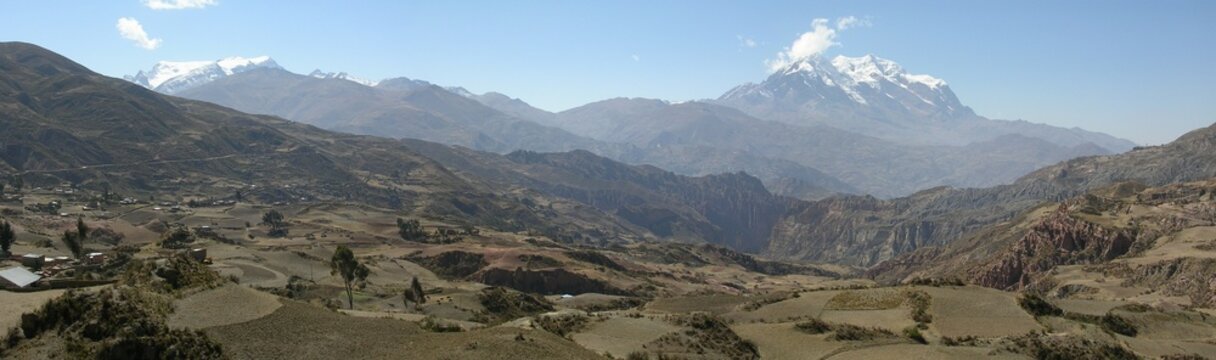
pixel 1037 306
pixel 913 333
pixel 1117 324
pixel 505 304
pixel 177 274
pixel 936 282
pixel 846 332
pixel 918 301
pixel 432 325
pixel 813 326
pixel 176 237
pixel 959 341
pixel 115 323
pixel 562 325
pixel 1047 347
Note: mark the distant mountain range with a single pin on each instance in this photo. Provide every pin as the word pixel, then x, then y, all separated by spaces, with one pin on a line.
pixel 170 77
pixel 64 123
pixel 817 127
pixel 405 108
pixel 877 97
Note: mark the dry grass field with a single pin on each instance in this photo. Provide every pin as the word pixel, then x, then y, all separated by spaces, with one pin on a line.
pixel 979 312
pixel 13 304
pixel 301 331
pixel 225 305
pixel 621 335
pixel 782 341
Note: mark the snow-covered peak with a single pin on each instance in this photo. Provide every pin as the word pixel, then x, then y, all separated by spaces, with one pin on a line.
pixel 871 69
pixel 851 85
pixel 461 91
pixel 165 70
pixel 232 65
pixel 173 76
pixel 342 76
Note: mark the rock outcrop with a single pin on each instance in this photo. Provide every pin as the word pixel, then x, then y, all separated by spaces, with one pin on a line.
pixel 1059 239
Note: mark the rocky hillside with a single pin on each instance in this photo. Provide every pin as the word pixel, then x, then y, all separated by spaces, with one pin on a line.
pixel 727 209
pixel 866 231
pixel 1154 237
pixel 65 124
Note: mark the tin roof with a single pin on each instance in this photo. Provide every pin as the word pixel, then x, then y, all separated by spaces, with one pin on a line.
pixel 19 276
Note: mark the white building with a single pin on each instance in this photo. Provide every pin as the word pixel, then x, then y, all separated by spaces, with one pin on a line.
pixel 17 277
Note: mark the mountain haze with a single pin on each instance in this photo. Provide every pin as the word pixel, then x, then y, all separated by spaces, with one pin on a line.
pixel 877 97
pixel 867 231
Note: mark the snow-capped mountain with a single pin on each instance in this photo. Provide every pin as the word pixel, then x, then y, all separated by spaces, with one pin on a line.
pixel 849 87
pixel 461 91
pixel 876 97
pixel 173 76
pixel 342 76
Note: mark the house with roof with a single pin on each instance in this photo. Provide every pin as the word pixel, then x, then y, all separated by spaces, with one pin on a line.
pixel 18 277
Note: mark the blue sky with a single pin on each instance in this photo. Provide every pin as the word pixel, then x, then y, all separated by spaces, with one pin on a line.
pixel 1139 70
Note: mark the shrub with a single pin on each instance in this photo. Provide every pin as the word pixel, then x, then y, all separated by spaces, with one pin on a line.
pixel 847 332
pixel 844 332
pixel 505 304
pixel 115 323
pixel 959 341
pixel 913 333
pixel 918 301
pixel 1117 324
pixel 176 274
pixel 1037 306
pixel 176 237
pixel 561 325
pixel 813 326
pixel 1047 347
pixel 433 325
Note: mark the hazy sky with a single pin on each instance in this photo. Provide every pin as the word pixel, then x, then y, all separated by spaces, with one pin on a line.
pixel 1143 70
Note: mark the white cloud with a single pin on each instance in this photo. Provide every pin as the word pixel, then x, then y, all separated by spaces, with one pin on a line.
pixel 812 43
pixel 746 41
pixel 177 4
pixel 848 22
pixel 131 30
pixel 636 57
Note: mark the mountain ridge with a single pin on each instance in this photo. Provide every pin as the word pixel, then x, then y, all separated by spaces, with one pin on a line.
pixel 876 96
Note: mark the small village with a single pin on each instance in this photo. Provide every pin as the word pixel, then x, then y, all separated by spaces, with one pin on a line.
pixel 40 257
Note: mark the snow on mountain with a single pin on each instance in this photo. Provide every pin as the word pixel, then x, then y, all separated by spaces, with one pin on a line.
pixel 877 97
pixel 172 76
pixel 341 76
pixel 848 87
pixel 461 91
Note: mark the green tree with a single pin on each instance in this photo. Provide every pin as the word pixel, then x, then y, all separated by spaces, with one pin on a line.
pixel 105 192
pixel 73 242
pixel 6 237
pixel 274 219
pixel 415 294
pixel 345 265
pixel 82 230
pixel 410 230
pixel 176 237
